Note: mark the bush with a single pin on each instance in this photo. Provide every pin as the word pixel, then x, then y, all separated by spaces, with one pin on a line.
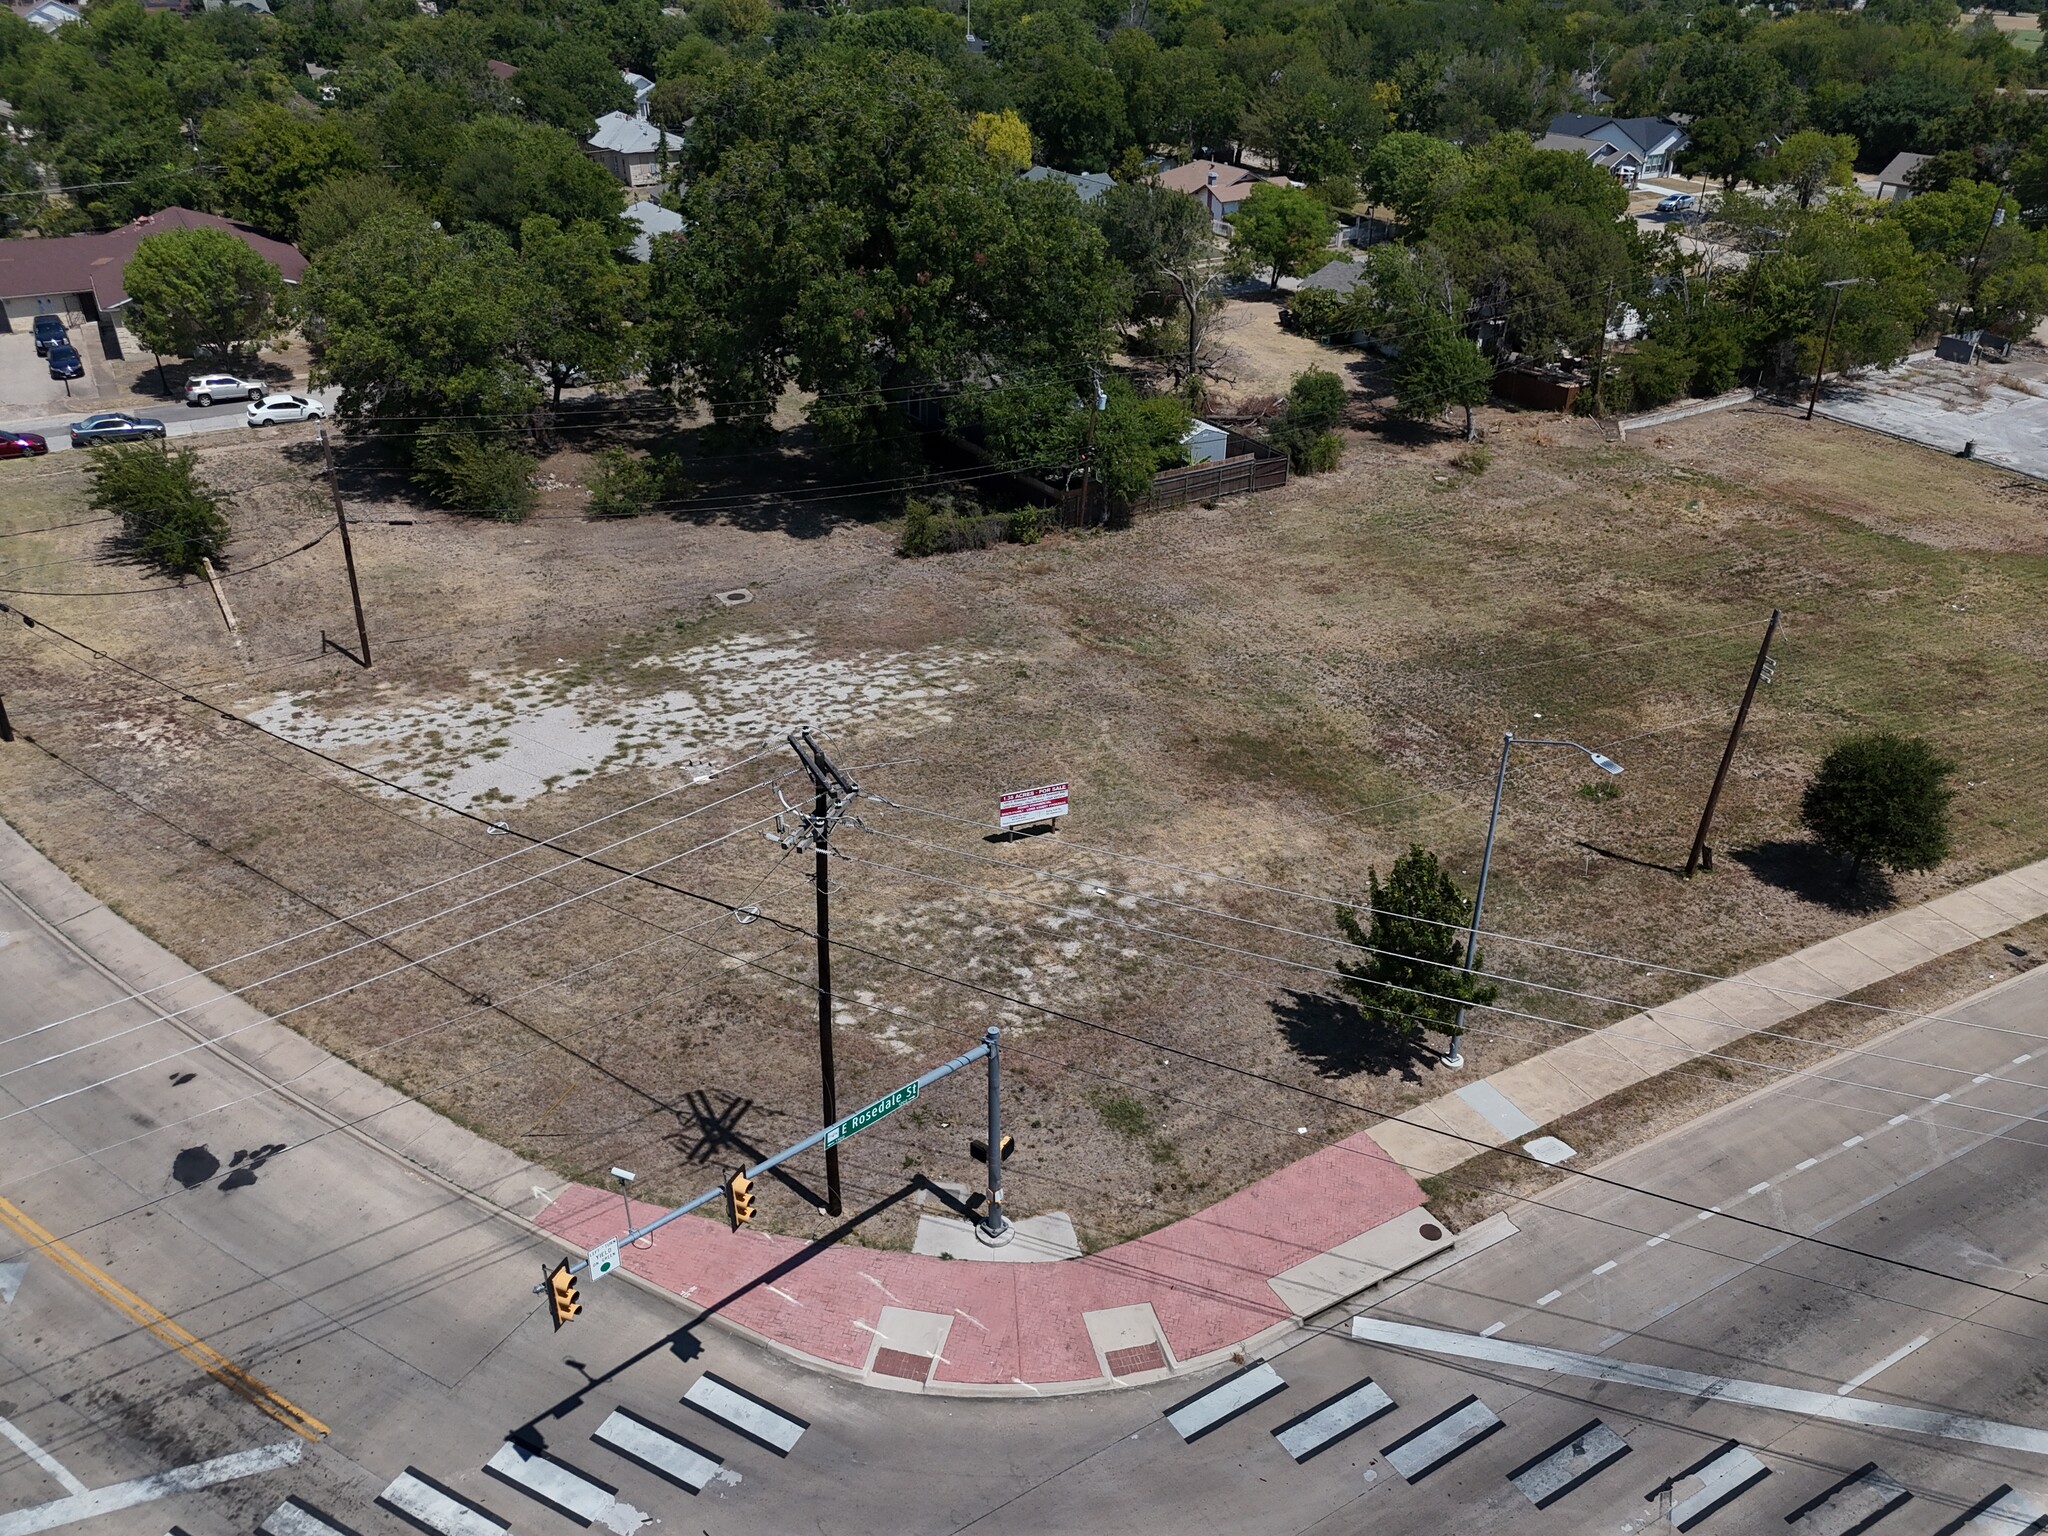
pixel 170 517
pixel 1474 458
pixel 939 528
pixel 1881 799
pixel 476 474
pixel 1411 979
pixel 1315 403
pixel 1316 455
pixel 621 485
pixel 1321 314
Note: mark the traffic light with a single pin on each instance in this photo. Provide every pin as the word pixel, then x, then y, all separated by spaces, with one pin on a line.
pixel 739 1199
pixel 563 1302
pixel 977 1149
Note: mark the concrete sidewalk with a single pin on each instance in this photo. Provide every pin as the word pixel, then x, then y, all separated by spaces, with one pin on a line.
pixel 1518 1100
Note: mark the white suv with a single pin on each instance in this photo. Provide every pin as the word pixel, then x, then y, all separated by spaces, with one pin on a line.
pixel 273 409
pixel 209 387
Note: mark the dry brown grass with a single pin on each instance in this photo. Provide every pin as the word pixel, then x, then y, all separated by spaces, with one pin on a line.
pixel 1283 691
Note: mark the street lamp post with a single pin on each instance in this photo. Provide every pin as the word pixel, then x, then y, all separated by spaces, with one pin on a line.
pixel 1827 336
pixel 1455 1058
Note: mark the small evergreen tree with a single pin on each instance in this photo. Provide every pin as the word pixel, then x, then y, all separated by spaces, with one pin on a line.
pixel 1881 799
pixel 1411 980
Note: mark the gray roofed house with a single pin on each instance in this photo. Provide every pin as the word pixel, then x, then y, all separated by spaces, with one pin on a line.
pixel 651 221
pixel 1898 176
pixel 1339 276
pixel 1656 142
pixel 1087 185
pixel 631 148
pixel 641 87
pixel 1599 151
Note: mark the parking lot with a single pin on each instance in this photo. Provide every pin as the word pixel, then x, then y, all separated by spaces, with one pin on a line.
pixel 1997 412
pixel 25 382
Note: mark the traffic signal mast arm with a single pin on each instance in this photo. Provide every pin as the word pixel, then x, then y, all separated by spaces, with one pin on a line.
pixel 815 1139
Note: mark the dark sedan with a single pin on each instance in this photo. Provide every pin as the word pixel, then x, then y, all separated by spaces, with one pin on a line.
pixel 113 427
pixel 65 363
pixel 22 445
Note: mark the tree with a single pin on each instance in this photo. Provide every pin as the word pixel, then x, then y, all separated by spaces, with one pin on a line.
pixel 200 292
pixel 572 83
pixel 1439 367
pixel 507 171
pixel 1076 110
pixel 573 310
pixel 334 210
pixel 1281 228
pixel 1316 402
pixel 1166 242
pixel 1881 799
pixel 1412 980
pixel 1810 161
pixel 1003 137
pixel 271 158
pixel 168 515
pixel 419 326
pixel 844 236
pixel 1047 427
pixel 1412 174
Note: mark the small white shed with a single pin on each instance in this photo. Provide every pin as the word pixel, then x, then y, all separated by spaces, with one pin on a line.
pixel 1206 444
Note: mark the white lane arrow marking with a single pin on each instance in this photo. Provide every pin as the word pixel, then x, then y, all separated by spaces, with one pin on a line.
pixel 145 1490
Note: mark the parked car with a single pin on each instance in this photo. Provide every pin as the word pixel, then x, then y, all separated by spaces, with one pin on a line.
pixel 22 445
pixel 209 387
pixel 65 363
pixel 113 427
pixel 50 332
pixel 1678 202
pixel 273 409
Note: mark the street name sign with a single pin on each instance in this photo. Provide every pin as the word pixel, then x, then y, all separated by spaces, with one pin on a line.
pixel 1023 807
pixel 861 1119
pixel 604 1258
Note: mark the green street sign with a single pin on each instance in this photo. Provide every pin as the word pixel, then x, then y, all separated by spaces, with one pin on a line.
pixel 861 1119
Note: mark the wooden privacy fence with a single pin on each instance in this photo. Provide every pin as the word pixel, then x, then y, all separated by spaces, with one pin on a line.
pixel 1248 465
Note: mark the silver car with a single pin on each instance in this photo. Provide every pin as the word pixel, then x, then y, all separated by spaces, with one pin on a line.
pixel 113 427
pixel 209 387
pixel 273 409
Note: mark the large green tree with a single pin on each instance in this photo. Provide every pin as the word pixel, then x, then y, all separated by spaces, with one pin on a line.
pixel 169 516
pixel 1881 799
pixel 845 237
pixel 1283 229
pixel 575 305
pixel 200 292
pixel 270 158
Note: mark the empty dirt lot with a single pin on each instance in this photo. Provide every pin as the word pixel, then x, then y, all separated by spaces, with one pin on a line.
pixel 1255 704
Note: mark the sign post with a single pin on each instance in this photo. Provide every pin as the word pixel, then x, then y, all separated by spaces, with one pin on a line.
pixel 1026 807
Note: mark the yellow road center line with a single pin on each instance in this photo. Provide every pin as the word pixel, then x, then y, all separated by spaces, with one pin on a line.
pixel 158 1322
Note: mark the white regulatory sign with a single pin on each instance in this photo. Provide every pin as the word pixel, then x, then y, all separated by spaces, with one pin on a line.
pixel 604 1258
pixel 1022 807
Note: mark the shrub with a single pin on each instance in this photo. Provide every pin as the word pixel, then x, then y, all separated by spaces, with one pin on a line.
pixel 1315 403
pixel 1321 314
pixel 1316 455
pixel 1474 458
pixel 167 513
pixel 934 528
pixel 1412 978
pixel 475 474
pixel 1881 799
pixel 622 485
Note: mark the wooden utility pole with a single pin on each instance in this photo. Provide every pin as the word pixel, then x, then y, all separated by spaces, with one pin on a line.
pixel 1826 336
pixel 1600 351
pixel 1701 854
pixel 1088 453
pixel 348 553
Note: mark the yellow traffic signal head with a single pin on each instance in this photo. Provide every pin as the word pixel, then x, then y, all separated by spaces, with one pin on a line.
pixel 739 1199
pixel 563 1302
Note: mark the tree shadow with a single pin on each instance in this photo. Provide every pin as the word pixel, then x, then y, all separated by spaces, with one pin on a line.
pixel 1333 1035
pixel 1813 874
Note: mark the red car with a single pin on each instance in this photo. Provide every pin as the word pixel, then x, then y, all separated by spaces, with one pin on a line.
pixel 22 445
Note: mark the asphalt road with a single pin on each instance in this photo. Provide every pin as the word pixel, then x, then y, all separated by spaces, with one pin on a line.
pixel 179 419
pixel 360 1296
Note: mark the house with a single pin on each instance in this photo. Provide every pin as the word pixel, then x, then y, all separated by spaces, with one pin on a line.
pixel 1222 188
pixel 262 7
pixel 1897 177
pixel 652 221
pixel 1655 143
pixel 500 70
pixel 1626 164
pixel 641 87
pixel 81 275
pixel 1339 276
pixel 51 15
pixel 1087 185
pixel 631 148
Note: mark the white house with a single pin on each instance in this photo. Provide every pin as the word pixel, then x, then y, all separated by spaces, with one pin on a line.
pixel 631 148
pixel 641 87
pixel 52 14
pixel 652 221
pixel 1222 188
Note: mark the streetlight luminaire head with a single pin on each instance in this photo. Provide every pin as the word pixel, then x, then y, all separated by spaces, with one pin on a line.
pixel 1604 763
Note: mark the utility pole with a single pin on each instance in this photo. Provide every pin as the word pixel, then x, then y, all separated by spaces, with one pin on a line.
pixel 1977 256
pixel 834 793
pixel 1701 854
pixel 1826 336
pixel 1600 351
pixel 348 553
pixel 1088 453
pixel 6 729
